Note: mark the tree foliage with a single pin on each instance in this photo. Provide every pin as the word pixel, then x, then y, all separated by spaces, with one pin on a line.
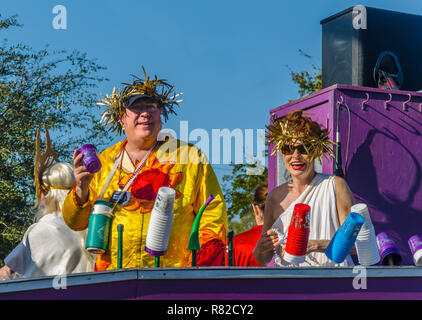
pixel 9 22
pixel 308 82
pixel 238 188
pixel 40 87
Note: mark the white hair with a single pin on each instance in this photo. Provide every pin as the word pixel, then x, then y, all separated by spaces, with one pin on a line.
pixel 59 179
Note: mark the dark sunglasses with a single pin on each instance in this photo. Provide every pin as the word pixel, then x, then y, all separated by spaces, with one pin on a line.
pixel 288 149
pixel 142 108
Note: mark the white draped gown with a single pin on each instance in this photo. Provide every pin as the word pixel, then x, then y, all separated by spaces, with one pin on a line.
pixel 50 247
pixel 320 195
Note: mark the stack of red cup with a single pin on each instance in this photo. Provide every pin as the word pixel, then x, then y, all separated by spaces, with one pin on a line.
pixel 297 239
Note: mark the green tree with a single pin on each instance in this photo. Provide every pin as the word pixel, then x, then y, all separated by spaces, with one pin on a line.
pixel 308 82
pixel 40 87
pixel 239 186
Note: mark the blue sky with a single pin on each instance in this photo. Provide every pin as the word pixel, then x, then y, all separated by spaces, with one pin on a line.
pixel 229 58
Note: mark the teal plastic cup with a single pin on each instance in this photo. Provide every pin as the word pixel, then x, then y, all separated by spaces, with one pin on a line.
pixel 99 227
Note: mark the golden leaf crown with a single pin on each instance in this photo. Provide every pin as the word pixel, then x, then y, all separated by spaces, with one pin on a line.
pixel 42 162
pixel 287 132
pixel 157 89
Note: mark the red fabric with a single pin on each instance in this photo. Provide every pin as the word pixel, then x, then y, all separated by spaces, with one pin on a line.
pixel 243 245
pixel 212 253
pixel 102 262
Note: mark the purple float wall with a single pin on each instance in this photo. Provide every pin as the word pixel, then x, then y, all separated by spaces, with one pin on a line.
pixel 383 163
pixel 223 283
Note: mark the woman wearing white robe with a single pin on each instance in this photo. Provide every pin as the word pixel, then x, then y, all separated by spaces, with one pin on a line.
pixel 300 141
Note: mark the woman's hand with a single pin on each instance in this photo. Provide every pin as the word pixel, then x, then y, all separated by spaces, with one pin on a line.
pixel 317 246
pixel 83 178
pixel 268 241
pixel 263 251
pixel 5 272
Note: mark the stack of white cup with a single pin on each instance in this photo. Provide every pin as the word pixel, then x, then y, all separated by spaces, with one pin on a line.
pixel 160 222
pixel 366 241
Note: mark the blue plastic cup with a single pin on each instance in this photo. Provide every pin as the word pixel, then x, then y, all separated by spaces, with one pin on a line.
pixel 345 237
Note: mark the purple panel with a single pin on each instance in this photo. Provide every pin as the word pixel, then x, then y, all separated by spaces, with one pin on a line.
pixel 383 163
pixel 272 169
pixel 122 290
pixel 224 284
pixel 385 159
pixel 281 289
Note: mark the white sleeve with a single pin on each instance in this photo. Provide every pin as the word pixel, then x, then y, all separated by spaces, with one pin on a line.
pixel 17 259
pixel 20 260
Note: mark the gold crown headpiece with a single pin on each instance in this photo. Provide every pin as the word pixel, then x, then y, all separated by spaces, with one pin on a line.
pixel 157 89
pixel 42 162
pixel 285 132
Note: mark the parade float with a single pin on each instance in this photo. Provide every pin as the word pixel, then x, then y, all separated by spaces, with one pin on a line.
pixel 379 153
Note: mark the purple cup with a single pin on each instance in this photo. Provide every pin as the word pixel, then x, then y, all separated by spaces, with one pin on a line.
pixel 155 253
pixel 389 253
pixel 415 244
pixel 90 158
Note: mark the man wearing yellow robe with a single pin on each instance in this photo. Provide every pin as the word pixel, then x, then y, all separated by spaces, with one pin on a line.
pixel 137 110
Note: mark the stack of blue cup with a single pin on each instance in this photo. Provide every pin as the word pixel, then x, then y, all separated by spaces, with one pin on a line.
pixel 345 237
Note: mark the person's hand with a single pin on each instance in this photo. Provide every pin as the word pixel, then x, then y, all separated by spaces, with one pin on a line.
pixel 268 241
pixel 317 245
pixel 83 178
pixel 5 272
pixel 263 251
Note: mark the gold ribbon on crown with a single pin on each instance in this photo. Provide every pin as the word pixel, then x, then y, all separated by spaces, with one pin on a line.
pixel 42 162
pixel 158 89
pixel 285 132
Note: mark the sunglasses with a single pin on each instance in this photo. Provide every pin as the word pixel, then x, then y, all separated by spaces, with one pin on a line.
pixel 151 108
pixel 288 149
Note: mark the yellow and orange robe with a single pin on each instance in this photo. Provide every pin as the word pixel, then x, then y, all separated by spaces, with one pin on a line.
pixel 174 164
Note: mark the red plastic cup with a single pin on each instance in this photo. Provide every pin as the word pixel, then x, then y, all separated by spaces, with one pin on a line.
pixel 297 239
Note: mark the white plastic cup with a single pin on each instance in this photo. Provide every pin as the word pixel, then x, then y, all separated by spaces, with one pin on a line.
pixel 366 241
pixel 362 209
pixel 160 222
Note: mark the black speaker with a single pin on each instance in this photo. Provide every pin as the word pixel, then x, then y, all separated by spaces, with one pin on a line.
pixel 360 45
